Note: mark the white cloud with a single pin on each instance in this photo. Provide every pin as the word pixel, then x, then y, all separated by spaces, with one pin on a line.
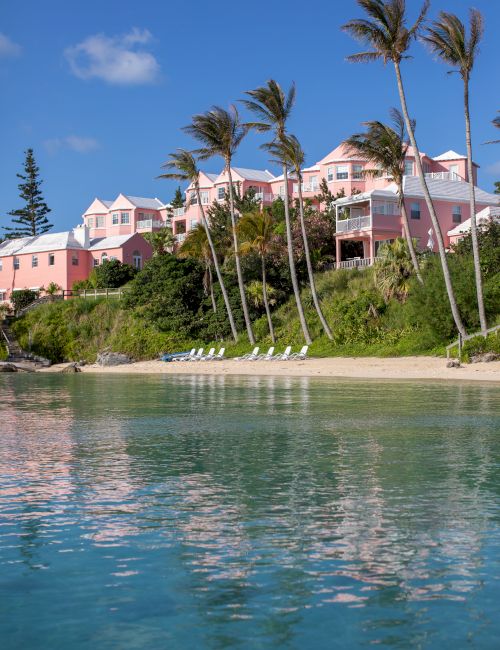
pixel 116 59
pixel 8 47
pixel 77 143
pixel 494 168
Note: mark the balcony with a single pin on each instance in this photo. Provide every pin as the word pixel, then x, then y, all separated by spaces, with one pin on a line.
pixel 444 176
pixel 150 224
pixel 179 212
pixel 357 263
pixel 355 223
pixel 265 197
pixel 306 187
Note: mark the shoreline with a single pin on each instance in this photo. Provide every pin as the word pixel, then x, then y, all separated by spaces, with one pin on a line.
pixel 390 368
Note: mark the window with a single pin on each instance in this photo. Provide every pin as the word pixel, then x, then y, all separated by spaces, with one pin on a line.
pixel 3 295
pixel 408 168
pixel 16 263
pixel 385 207
pixel 427 168
pixel 1 265
pixel 137 259
pixel 313 180
pixel 282 190
pixel 193 223
pixel 100 222
pixel 141 216
pixel 115 219
pixel 457 214
pixel 104 257
pixel 357 172
pixel 329 174
pixel 96 262
pixel 193 199
pixel 342 172
pixel 415 210
pixel 124 218
pixel 90 222
pixel 34 261
pixel 74 259
pixel 52 259
pixel 204 197
pixel 221 192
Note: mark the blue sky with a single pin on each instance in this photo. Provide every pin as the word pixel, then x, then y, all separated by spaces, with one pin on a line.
pixel 101 90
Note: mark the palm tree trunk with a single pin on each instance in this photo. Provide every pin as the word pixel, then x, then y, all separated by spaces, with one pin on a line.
pixel 217 268
pixel 211 283
pixel 437 229
pixel 266 302
pixel 317 306
pixel 473 224
pixel 243 296
pixel 406 226
pixel 291 262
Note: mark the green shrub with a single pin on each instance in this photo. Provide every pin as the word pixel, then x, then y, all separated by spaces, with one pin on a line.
pixel 22 298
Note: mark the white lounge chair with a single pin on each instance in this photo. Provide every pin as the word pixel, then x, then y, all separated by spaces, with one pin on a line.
pixel 197 356
pixel 300 355
pixel 220 355
pixel 186 356
pixel 267 356
pixel 209 356
pixel 284 356
pixel 250 356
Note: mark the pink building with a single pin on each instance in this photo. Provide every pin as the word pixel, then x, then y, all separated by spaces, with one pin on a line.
pixel 369 212
pixel 63 258
pixel 126 215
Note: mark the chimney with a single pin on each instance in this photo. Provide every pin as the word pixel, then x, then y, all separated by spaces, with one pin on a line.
pixel 81 234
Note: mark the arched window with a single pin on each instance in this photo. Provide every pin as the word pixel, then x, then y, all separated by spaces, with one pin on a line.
pixel 137 257
pixel 104 257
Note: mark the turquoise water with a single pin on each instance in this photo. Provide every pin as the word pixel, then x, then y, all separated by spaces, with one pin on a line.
pixel 210 512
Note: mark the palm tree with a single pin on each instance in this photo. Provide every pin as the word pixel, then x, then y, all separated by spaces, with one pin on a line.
pixel 273 107
pixel 221 132
pixel 289 149
pixel 161 241
pixel 447 38
pixel 386 148
pixel 389 37
pixel 394 269
pixel 255 231
pixel 196 246
pixel 183 167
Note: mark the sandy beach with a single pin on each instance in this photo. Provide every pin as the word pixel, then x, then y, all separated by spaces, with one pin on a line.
pixel 396 368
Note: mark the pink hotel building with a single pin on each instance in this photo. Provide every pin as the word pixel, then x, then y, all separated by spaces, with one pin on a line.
pixel 369 216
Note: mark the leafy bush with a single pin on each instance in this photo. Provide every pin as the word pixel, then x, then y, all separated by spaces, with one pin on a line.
pixel 21 298
pixel 112 274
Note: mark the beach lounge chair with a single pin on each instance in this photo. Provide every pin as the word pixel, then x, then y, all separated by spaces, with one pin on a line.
pixel 266 357
pixel 250 356
pixel 284 356
pixel 197 356
pixel 300 355
pixel 209 356
pixel 220 355
pixel 183 357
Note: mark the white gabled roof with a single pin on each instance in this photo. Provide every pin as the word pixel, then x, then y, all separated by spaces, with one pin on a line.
pixel 264 176
pixel 53 241
pixel 447 190
pixel 114 241
pixel 450 155
pixel 314 168
pixel 212 177
pixel 141 202
pixel 490 213
pixel 389 193
pixel 97 205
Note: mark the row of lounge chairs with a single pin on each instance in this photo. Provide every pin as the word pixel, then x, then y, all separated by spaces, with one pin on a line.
pixel 254 355
pixel 270 356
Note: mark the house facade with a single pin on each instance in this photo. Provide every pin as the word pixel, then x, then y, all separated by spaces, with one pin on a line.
pixel 63 258
pixel 368 214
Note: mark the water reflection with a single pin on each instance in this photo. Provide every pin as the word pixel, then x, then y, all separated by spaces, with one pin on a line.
pixel 257 509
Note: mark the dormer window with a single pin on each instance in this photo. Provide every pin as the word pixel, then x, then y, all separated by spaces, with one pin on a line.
pixel 221 193
pixel 124 218
pixel 342 172
pixel 100 221
pixel 115 218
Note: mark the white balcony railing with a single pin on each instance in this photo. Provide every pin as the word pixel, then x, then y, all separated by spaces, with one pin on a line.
pixel 356 223
pixel 306 187
pixel 444 176
pixel 179 212
pixel 265 197
pixel 357 263
pixel 149 223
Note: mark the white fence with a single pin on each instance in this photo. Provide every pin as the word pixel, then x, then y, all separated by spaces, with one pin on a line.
pixel 150 223
pixel 357 262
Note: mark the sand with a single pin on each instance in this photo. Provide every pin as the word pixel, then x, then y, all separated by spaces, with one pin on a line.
pixel 397 368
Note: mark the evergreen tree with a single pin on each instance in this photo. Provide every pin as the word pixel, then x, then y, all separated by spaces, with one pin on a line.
pixel 31 220
pixel 497 187
pixel 178 200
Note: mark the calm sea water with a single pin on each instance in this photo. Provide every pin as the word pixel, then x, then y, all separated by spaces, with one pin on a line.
pixel 210 512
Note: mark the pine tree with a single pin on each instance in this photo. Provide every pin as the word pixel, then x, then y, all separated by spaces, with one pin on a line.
pixel 31 220
pixel 178 200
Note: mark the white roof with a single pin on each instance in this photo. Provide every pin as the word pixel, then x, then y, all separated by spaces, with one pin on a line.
pixel 141 202
pixel 254 174
pixel 490 213
pixel 212 177
pixel 447 190
pixel 389 193
pixel 49 242
pixel 115 241
pixel 450 155
pixel 314 168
